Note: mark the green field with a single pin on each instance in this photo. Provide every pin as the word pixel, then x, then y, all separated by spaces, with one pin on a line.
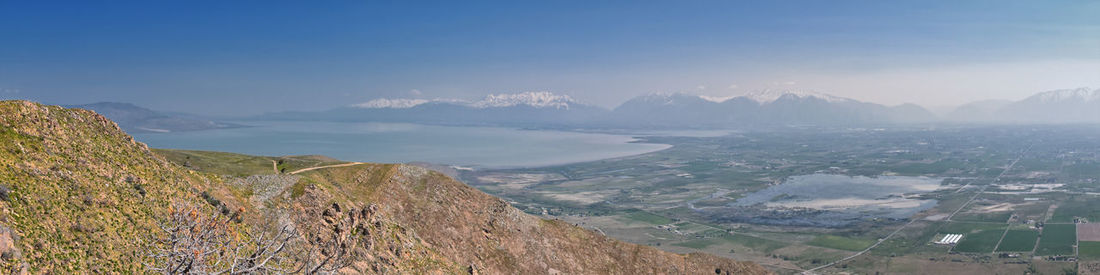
pixel 647 217
pixel 1089 250
pixel 842 243
pixel 1088 208
pixel 1057 239
pixel 1018 241
pixel 696 244
pixel 968 228
pixel 981 242
pixel 984 217
pixel 754 243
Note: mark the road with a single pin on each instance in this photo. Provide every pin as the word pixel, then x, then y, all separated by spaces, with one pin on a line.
pixel 326 166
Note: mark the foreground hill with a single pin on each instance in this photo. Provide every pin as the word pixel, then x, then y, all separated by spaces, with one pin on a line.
pixel 78 195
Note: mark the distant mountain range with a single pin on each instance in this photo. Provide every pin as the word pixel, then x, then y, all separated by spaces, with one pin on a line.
pixel 135 119
pixel 768 108
pixel 765 108
pixel 1080 105
pixel 539 109
pixel 677 110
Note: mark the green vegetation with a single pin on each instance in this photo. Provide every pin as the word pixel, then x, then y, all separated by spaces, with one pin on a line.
pixel 646 217
pixel 84 198
pixel 219 162
pixel 754 243
pixel 240 165
pixel 968 228
pixel 982 242
pixel 983 217
pixel 1088 208
pixel 1018 241
pixel 1089 250
pixel 713 173
pixel 1057 239
pixel 842 243
pixel 697 244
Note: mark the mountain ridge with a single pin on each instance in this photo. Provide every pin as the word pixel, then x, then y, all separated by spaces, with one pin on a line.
pixel 1077 105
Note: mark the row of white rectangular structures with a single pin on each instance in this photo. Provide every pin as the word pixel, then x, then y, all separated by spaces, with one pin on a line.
pixel 950 239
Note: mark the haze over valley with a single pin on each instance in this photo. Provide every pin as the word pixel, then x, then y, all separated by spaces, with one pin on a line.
pixel 563 137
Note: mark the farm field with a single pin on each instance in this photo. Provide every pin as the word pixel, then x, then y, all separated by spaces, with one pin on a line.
pixel 794 199
pixel 982 242
pixel 1057 239
pixel 842 243
pixel 1089 250
pixel 1018 241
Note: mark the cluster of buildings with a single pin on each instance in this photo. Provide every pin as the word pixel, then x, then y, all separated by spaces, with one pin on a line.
pixel 950 239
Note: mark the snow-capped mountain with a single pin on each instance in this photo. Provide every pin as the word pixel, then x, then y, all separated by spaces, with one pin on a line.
pixel 534 109
pixel 761 108
pixel 769 96
pixel 1080 105
pixel 660 110
pixel 397 103
pixel 1084 95
pixel 533 99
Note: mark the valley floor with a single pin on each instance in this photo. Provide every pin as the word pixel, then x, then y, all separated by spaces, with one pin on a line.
pixel 1018 195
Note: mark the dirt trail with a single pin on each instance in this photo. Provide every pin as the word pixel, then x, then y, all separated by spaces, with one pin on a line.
pixel 326 166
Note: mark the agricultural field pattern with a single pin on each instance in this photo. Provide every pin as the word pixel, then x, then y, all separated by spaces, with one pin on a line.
pixel 1024 198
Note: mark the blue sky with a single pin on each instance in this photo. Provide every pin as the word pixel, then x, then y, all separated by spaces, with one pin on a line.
pixel 244 57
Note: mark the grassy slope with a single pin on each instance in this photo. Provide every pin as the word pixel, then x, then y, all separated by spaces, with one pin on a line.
pixel 86 198
pixel 84 194
pixel 240 165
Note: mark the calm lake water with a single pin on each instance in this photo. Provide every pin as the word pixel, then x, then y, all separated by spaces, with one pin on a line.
pixel 882 196
pixel 486 147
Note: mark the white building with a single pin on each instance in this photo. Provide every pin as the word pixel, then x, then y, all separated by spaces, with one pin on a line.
pixel 950 239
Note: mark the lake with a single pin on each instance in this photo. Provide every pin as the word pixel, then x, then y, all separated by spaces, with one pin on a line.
pixel 483 147
pixel 881 196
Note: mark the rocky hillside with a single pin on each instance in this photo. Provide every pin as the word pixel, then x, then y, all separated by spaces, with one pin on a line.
pixel 78 195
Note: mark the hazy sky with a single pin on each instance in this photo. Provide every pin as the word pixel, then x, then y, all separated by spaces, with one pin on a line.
pixel 241 57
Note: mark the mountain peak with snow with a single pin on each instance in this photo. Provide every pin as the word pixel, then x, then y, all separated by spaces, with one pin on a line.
pixel 1082 94
pixel 769 96
pixel 397 103
pixel 533 99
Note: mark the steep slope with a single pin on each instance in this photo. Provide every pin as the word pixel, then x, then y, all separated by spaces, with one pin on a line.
pixel 486 234
pixel 133 118
pixel 78 195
